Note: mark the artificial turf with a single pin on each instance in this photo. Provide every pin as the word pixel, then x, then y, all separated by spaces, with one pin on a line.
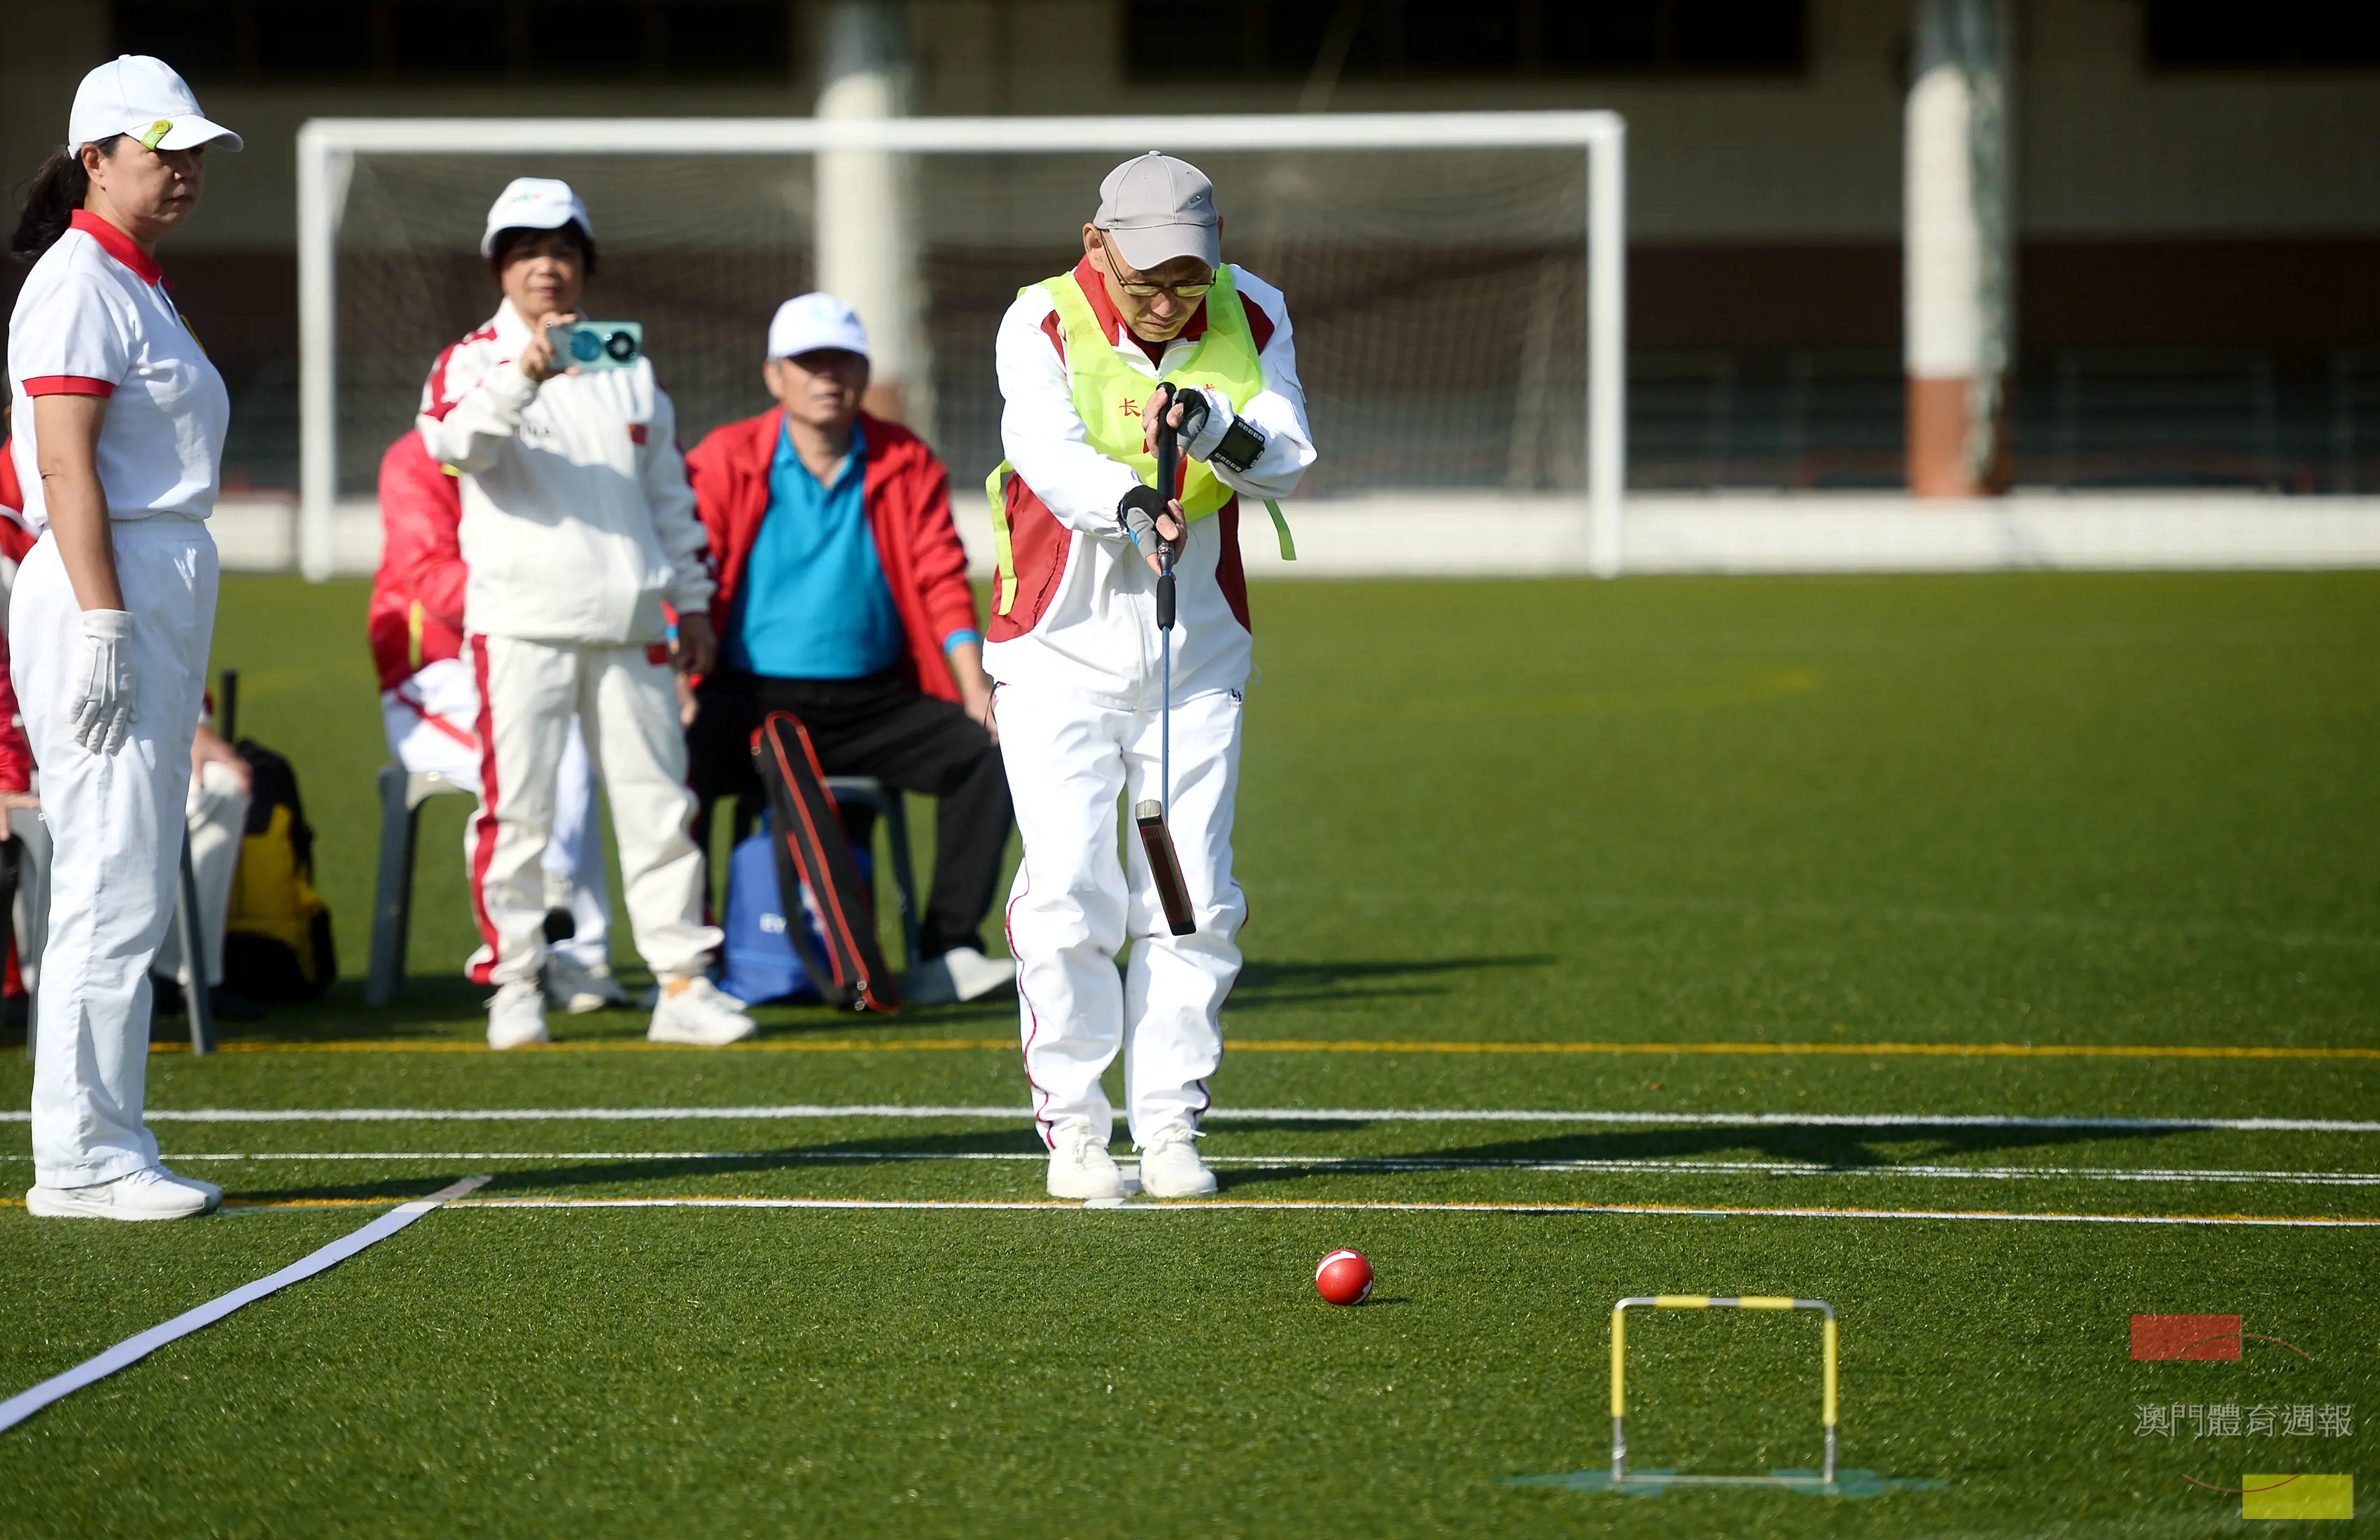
pixel 1484 827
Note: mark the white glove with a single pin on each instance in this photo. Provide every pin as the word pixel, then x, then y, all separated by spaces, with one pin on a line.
pixel 102 709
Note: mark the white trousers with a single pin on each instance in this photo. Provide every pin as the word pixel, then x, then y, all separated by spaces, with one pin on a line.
pixel 433 720
pixel 626 703
pixel 116 826
pixel 1076 904
pixel 216 811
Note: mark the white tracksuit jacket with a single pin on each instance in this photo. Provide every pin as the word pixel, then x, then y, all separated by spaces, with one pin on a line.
pixel 578 522
pixel 581 529
pixel 1077 703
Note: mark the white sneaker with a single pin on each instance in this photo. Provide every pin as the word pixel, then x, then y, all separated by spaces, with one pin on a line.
pixel 151 1192
pixel 959 975
pixel 516 1015
pixel 692 1011
pixel 213 1193
pixel 578 991
pixel 1169 1167
pixel 1081 1167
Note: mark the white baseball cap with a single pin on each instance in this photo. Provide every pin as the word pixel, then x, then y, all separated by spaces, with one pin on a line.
pixel 816 321
pixel 534 203
pixel 140 96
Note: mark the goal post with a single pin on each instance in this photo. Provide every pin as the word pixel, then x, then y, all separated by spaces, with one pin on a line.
pixel 1435 264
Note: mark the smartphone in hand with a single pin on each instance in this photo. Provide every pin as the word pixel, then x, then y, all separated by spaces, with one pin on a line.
pixel 590 344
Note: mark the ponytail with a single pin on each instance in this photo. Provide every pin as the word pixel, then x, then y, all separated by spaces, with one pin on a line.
pixel 50 198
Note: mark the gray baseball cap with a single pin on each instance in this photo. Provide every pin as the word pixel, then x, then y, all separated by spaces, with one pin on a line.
pixel 1157 208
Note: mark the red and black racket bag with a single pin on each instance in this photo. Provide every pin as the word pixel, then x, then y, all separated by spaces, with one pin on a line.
pixel 814 859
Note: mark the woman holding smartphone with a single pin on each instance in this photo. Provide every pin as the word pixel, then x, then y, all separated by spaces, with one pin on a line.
pixel 120 430
pixel 578 529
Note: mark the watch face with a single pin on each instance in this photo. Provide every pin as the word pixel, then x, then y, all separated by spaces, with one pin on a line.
pixel 1241 445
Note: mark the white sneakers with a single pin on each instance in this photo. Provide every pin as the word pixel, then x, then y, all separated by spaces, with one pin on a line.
pixel 1169 1167
pixel 516 1015
pixel 1081 1167
pixel 580 990
pixel 959 975
pixel 689 1010
pixel 693 1011
pixel 151 1192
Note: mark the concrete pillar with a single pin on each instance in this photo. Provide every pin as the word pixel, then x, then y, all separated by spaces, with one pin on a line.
pixel 868 247
pixel 1959 289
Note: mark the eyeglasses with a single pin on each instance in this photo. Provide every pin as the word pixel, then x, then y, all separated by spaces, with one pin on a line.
pixel 1147 290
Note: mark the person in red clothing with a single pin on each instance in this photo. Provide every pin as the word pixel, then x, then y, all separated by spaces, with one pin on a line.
pixel 843 598
pixel 430 705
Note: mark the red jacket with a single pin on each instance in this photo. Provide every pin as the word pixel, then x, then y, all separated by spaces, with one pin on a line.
pixel 417 602
pixel 16 754
pixel 908 494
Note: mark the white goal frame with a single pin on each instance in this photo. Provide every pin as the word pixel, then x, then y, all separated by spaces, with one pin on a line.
pixel 327 148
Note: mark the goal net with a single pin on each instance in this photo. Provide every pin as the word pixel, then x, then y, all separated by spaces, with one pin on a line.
pixel 1438 277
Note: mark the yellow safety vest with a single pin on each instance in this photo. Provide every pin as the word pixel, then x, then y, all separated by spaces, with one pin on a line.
pixel 1108 393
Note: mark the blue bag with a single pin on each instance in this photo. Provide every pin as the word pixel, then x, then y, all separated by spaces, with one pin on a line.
pixel 759 965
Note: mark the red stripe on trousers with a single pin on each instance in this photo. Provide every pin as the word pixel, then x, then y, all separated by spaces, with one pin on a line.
pixel 484 825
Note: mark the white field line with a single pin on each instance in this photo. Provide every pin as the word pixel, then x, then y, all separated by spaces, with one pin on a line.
pixel 1321 1205
pixel 1362 1164
pixel 16 1408
pixel 1245 1114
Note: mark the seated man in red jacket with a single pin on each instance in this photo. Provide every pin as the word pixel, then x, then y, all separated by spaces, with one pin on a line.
pixel 843 598
pixel 430 704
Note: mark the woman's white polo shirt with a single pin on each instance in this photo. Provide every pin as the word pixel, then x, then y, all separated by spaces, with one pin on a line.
pixel 93 318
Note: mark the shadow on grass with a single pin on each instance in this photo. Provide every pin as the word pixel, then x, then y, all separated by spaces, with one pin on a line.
pixel 448 1009
pixel 1840 1148
pixel 660 1167
pixel 1262 983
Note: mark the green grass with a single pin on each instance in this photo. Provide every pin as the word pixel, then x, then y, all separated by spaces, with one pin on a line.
pixel 2047 810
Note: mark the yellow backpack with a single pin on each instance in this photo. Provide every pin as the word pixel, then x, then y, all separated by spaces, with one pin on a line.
pixel 277 942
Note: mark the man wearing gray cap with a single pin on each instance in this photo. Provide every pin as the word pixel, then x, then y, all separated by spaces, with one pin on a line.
pixel 1151 321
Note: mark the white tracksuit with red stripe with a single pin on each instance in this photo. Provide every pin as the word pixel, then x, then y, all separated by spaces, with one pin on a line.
pixel 1077 663
pixel 577 523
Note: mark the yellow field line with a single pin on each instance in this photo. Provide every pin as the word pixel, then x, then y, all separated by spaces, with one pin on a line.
pixel 1008 1045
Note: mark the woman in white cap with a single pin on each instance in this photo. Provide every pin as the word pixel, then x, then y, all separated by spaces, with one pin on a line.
pixel 577 527
pixel 120 423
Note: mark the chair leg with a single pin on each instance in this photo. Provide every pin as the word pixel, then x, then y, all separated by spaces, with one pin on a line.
pixel 192 930
pixel 393 891
pixel 904 873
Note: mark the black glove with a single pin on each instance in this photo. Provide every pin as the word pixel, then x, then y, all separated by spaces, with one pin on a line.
pixel 1193 402
pixel 1138 513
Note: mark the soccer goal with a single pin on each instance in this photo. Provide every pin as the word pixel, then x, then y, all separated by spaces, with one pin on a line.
pixel 1455 279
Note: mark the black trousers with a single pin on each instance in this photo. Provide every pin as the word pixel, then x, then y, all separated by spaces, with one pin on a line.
pixel 886 727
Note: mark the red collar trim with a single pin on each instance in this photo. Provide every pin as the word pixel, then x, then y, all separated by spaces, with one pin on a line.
pixel 118 245
pixel 1093 284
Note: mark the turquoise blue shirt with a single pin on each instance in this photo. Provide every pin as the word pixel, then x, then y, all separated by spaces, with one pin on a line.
pixel 815 604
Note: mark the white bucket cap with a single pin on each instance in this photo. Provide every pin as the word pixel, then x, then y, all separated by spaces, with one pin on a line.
pixel 140 96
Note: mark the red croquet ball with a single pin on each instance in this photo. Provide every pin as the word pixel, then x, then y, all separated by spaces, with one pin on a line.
pixel 1344 1278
